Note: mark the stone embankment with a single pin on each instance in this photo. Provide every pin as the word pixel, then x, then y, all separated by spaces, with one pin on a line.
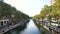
pixel 47 25
pixel 12 26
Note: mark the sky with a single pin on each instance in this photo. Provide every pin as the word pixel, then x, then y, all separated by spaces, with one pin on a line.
pixel 29 7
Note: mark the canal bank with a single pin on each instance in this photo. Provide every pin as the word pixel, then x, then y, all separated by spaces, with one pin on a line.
pixel 29 28
pixel 13 26
pixel 45 27
pixel 17 29
pixel 42 29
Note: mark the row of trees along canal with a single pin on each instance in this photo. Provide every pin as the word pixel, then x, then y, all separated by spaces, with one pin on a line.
pixel 49 12
pixel 7 11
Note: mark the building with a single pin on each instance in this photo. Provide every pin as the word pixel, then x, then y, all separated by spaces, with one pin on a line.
pixel 4 21
pixel 52 2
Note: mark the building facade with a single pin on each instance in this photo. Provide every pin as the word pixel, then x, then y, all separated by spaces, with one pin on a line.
pixel 52 2
pixel 4 21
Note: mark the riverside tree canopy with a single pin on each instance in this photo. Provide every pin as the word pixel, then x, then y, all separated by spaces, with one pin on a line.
pixel 6 10
pixel 53 11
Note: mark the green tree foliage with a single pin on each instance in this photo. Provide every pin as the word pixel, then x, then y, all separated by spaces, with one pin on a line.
pixel 43 13
pixel 6 10
pixel 52 11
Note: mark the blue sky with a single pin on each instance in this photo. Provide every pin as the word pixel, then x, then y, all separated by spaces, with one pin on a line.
pixel 29 7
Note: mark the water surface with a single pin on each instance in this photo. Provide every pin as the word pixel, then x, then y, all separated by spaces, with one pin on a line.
pixel 31 28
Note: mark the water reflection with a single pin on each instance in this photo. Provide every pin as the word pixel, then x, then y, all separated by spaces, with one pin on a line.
pixel 31 29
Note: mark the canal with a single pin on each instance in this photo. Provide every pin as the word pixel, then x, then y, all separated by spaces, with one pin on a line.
pixel 30 28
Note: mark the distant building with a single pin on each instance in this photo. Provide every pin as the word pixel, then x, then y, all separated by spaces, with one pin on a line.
pixel 52 2
pixel 4 21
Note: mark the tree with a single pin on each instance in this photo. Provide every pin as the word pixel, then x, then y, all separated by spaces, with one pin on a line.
pixel 6 10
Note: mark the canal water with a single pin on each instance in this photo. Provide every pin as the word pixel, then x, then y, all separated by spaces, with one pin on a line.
pixel 30 28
